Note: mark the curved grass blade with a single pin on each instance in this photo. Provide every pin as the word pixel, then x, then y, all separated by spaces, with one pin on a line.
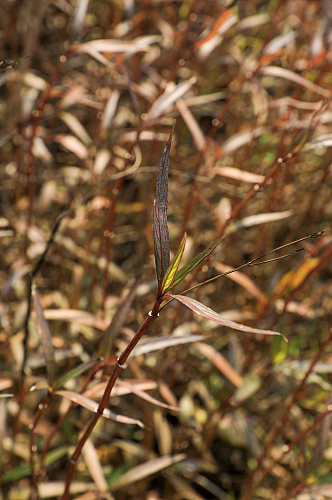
pixel 146 469
pixel 91 405
pixel 208 313
pixel 45 337
pixel 161 342
pixel 160 228
pixel 170 273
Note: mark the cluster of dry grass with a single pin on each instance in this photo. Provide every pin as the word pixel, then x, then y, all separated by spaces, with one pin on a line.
pixel 89 92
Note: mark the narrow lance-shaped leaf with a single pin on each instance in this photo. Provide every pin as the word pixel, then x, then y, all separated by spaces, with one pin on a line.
pixel 170 273
pixel 160 228
pixel 45 337
pixel 208 313
pixel 185 270
pixel 146 469
pixel 91 405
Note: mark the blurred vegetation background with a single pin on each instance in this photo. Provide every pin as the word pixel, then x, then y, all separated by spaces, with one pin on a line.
pixel 89 91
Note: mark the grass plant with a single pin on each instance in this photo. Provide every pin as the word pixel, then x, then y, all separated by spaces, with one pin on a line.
pixel 184 406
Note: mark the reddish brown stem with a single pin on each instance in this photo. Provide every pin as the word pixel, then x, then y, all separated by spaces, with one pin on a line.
pixel 104 400
pixel 58 425
pixel 34 476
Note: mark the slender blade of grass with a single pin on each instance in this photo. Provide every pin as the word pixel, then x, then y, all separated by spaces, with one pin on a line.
pixel 162 342
pixel 91 405
pixel 146 469
pixel 45 337
pixel 211 315
pixel 185 270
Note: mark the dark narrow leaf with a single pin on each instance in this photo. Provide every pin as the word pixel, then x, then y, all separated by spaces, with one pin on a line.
pixel 160 228
pixel 170 273
pixel 208 313
pixel 45 337
pixel 185 270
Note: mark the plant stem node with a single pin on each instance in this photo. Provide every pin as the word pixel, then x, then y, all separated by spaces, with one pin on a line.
pixel 119 364
pixel 153 315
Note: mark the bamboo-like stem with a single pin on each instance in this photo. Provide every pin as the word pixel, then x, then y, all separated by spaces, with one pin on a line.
pixel 104 400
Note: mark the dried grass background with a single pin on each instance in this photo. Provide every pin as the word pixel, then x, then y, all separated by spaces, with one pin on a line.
pixel 89 92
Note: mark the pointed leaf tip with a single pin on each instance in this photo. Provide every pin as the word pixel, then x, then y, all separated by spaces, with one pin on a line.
pixel 208 313
pixel 160 227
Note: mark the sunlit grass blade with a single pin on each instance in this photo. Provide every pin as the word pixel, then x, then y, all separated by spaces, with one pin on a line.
pixel 146 469
pixel 163 342
pixel 185 270
pixel 170 273
pixel 45 337
pixel 160 228
pixel 92 406
pixel 211 315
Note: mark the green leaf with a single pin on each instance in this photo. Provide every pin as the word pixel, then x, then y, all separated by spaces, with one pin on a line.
pixel 24 470
pixel 185 270
pixel 279 350
pixel 170 273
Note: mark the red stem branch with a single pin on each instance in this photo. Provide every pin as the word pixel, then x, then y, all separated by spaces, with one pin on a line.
pixel 104 400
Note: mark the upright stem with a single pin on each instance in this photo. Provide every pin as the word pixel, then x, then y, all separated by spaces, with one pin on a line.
pixel 104 400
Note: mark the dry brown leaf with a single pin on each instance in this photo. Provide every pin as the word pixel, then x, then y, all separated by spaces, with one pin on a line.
pixel 169 97
pixel 238 174
pixel 220 362
pixel 146 469
pixel 192 124
pixel 93 464
pixel 72 144
pixel 158 343
pixel 286 74
pixel 92 406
